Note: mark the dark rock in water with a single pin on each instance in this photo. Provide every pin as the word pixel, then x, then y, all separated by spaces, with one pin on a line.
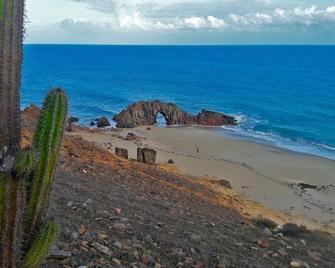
pixel 146 156
pixel 103 122
pixel 121 152
pixel 92 123
pixel 171 161
pixel 72 119
pixel 145 113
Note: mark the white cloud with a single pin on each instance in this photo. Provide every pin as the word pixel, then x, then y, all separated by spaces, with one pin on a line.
pixel 195 22
pixel 175 16
pixel 215 22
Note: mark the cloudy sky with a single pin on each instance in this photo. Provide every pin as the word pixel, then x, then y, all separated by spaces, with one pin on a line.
pixel 181 21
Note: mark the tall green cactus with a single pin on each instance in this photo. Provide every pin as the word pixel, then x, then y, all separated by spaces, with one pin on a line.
pixel 24 191
pixel 11 35
pixel 47 141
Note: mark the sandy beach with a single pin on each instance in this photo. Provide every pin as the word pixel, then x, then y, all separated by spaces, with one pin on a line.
pixel 294 184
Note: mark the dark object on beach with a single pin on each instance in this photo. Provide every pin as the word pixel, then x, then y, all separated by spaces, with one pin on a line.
pixel 293 230
pixel 148 128
pixel 103 122
pixel 146 156
pixel 265 223
pixel 170 161
pixel 131 136
pixel 145 113
pixel 224 183
pixel 121 152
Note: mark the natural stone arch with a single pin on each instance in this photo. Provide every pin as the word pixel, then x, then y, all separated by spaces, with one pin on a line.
pixel 145 112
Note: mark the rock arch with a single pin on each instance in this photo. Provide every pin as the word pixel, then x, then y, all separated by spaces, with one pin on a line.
pixel 145 112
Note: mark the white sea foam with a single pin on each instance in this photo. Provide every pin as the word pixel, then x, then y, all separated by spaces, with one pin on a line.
pixel 245 130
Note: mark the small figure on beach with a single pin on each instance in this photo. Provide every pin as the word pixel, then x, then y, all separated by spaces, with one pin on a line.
pixel 197 150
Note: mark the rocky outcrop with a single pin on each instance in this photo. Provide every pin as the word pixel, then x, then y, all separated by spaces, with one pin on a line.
pixel 146 156
pixel 103 122
pixel 145 113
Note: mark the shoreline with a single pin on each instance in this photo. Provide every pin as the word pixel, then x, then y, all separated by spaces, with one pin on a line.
pixel 276 178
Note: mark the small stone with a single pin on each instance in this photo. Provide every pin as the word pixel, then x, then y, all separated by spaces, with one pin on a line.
pixel 282 252
pixel 267 231
pixel 262 243
pixel 118 210
pixel 157 265
pixel 124 220
pixel 117 244
pixel 69 204
pixel 195 237
pixel 82 229
pixel 316 256
pixel 116 261
pixel 59 254
pixel 102 237
pixel 189 260
pixel 102 248
pixel 295 264
pixel 120 226
pixel 75 235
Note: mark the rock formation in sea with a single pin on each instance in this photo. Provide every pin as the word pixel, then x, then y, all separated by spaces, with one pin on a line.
pixel 145 113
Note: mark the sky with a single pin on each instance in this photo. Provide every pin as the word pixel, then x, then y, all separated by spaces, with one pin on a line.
pixel 180 21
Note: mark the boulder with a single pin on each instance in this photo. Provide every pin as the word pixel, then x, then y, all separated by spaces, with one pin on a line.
pixel 72 119
pixel 145 113
pixel 103 122
pixel 121 152
pixel 170 161
pixel 146 156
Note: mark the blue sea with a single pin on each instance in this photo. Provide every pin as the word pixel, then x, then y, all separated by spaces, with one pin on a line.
pixel 282 95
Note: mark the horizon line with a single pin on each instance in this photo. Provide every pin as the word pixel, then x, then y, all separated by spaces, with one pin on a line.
pixel 233 44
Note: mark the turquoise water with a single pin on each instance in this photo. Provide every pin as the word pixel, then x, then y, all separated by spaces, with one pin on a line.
pixel 282 95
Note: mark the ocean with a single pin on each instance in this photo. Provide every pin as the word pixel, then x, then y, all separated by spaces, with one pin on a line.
pixel 282 95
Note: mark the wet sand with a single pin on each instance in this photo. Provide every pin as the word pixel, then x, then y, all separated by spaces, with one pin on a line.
pixel 288 182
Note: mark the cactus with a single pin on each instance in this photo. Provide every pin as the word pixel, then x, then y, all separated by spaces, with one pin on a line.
pixel 47 141
pixel 11 35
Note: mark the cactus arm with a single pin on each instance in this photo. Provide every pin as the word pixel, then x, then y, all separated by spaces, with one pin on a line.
pixel 47 142
pixel 11 238
pixel 39 250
